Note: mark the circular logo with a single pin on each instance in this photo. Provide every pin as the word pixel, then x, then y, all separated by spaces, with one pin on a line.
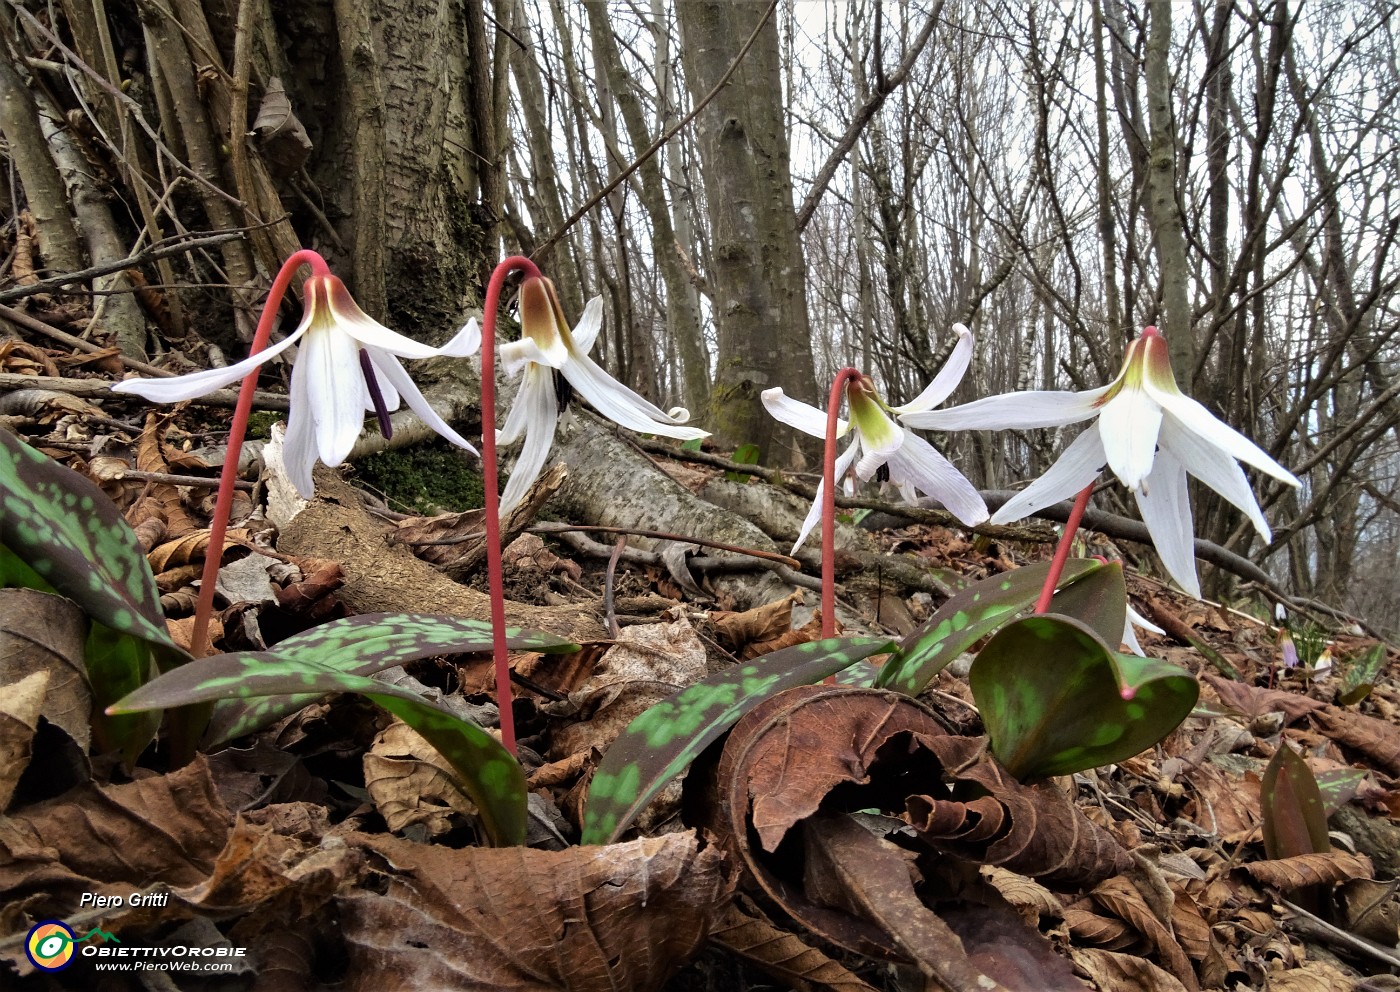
pixel 50 946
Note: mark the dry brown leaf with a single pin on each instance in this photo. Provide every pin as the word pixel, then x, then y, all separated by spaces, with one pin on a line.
pixel 285 143
pixel 586 919
pixel 165 828
pixel 1190 926
pixel 410 782
pixel 1378 740
pixel 1109 970
pixel 1252 702
pixel 43 632
pixel 162 499
pixel 20 703
pixel 867 878
pixel 1023 893
pixel 1119 896
pixel 741 631
pixel 189 549
pixel 647 664
pixel 1298 872
pixel 1312 976
pixel 1101 931
pixel 267 866
pixel 1371 909
pixel 182 630
pixel 1003 946
pixel 748 934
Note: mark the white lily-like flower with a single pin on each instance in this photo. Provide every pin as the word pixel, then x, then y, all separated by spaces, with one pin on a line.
pixel 909 462
pixel 347 365
pixel 1148 432
pixel 547 346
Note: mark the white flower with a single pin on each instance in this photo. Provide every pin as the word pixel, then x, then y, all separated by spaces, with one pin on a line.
pixel 1148 432
pixel 546 346
pixel 347 365
pixel 911 462
pixel 1136 619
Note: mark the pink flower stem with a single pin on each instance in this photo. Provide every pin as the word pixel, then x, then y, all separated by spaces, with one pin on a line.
pixel 223 506
pixel 833 408
pixel 516 263
pixel 1057 565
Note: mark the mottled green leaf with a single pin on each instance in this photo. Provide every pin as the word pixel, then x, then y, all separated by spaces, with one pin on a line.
pixel 118 664
pixel 968 617
pixel 1056 699
pixel 1338 787
pixel 1099 599
pixel 745 454
pixel 1360 676
pixel 64 528
pixel 486 770
pixel 1294 820
pixel 661 743
pixel 364 645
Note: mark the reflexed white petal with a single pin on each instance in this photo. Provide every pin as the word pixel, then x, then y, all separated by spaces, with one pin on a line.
pixel 870 462
pixel 373 334
pixel 515 355
pixel 335 392
pixel 1216 469
pixel 395 376
pixel 299 444
pixel 1128 427
pixel 1130 639
pixel 1040 408
pixel 1078 466
pixel 806 418
pixel 1138 620
pixel 540 413
pixel 537 378
pixel 186 387
pixel 814 515
pixel 586 333
pixel 465 343
pixel 1197 419
pixel 621 405
pixel 947 378
pixel 1166 509
pixel 919 464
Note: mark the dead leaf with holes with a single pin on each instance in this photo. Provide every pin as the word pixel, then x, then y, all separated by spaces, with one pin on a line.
pixel 585 919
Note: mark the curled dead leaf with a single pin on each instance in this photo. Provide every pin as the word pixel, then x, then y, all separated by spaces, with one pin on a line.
pixel 20 703
pixel 42 632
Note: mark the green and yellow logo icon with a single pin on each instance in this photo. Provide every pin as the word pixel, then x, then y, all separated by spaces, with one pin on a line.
pixel 51 945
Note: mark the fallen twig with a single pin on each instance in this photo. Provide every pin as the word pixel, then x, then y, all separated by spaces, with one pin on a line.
pixel 102 389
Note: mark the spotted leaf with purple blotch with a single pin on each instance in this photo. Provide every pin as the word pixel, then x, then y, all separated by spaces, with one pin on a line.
pixel 1056 699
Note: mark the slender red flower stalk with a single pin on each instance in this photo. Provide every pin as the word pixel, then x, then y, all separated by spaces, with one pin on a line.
pixel 833 408
pixel 223 506
pixel 1057 564
pixel 516 263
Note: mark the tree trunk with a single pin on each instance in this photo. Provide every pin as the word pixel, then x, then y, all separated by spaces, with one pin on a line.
pixel 758 274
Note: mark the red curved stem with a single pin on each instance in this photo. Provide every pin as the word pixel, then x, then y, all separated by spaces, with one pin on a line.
pixel 223 506
pixel 493 500
pixel 833 408
pixel 1057 565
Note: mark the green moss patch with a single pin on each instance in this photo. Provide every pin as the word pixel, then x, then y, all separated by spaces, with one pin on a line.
pixel 426 479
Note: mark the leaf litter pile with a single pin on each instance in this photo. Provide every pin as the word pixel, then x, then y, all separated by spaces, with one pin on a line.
pixel 755 828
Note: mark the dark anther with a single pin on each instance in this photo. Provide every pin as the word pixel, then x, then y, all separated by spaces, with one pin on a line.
pixel 882 473
pixel 564 389
pixel 375 396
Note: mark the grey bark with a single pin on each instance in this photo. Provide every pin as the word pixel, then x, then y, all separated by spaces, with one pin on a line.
pixel 758 274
